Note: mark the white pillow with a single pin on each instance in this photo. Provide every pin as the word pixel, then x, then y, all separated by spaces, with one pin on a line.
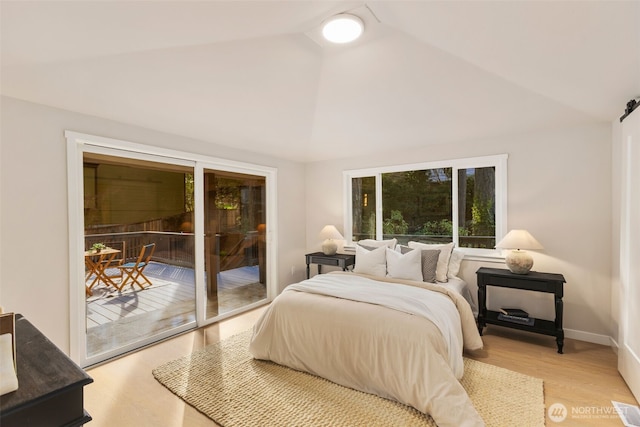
pixel 443 259
pixel 391 243
pixel 454 263
pixel 371 262
pixel 404 266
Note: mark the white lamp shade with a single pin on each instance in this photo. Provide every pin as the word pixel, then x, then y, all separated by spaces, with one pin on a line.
pixel 329 234
pixel 519 239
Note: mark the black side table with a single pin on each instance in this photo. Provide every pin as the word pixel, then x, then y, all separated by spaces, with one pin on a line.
pixel 337 260
pixel 533 281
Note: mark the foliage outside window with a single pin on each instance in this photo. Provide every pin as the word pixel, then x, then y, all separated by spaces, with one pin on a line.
pixel 462 202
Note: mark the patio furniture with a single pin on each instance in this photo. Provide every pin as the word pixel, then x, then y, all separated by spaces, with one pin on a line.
pixel 110 267
pixel 134 270
pixel 96 263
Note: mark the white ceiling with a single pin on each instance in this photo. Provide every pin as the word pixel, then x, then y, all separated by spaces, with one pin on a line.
pixel 254 75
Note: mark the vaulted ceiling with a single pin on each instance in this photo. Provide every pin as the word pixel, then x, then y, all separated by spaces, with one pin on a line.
pixel 256 76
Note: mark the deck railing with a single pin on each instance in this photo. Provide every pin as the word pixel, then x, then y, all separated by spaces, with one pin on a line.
pixel 234 250
pixel 171 248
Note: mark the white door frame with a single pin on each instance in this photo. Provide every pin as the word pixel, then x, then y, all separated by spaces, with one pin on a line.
pixel 77 145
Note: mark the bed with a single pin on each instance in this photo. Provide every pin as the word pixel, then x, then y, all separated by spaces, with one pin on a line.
pixel 461 287
pixel 396 338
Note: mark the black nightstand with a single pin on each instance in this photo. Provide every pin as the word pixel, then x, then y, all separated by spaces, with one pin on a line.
pixel 337 260
pixel 534 281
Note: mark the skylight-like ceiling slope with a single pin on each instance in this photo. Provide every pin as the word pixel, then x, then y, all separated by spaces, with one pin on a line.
pixel 53 31
pixel 399 90
pixel 252 94
pixel 584 54
pixel 252 75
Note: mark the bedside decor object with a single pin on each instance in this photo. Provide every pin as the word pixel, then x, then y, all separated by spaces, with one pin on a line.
pixel 329 235
pixel 518 260
pixel 529 321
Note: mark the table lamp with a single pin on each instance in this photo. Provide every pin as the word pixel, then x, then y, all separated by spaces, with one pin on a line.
pixel 329 235
pixel 518 260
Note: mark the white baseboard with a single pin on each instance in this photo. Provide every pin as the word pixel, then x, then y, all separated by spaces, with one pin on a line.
pixel 614 346
pixel 589 337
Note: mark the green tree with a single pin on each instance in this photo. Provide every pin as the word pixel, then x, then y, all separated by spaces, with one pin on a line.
pixel 443 227
pixel 483 211
pixel 421 196
pixel 395 224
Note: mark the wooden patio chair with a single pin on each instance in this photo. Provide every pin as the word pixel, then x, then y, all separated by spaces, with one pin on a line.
pixel 110 267
pixel 134 270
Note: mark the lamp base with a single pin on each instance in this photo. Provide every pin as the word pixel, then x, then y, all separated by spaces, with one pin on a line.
pixel 329 247
pixel 519 262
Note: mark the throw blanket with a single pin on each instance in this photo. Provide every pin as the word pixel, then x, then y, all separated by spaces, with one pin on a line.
pixel 437 308
pixel 368 346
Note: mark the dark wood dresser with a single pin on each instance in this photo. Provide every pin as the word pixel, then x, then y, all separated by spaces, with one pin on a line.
pixel 50 385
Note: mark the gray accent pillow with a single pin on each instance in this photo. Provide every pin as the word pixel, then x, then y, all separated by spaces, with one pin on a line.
pixel 369 248
pixel 429 262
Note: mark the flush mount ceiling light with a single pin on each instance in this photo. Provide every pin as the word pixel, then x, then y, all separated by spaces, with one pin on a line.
pixel 343 28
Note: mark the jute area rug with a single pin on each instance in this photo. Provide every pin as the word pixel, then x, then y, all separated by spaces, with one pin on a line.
pixel 225 383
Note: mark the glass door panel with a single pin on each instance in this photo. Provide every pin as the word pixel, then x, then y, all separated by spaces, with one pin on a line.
pixel 139 251
pixel 235 241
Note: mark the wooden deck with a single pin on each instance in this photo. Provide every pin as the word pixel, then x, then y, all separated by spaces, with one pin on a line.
pixel 117 318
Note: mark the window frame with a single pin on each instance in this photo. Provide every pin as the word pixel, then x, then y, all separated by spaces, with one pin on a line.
pixel 499 162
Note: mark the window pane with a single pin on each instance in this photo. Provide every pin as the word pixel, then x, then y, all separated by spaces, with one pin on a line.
pixel 477 207
pixel 363 199
pixel 417 205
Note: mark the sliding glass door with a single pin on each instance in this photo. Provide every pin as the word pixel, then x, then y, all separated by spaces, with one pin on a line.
pixel 161 242
pixel 235 240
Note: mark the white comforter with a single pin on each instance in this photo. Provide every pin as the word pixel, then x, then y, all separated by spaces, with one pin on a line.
pixel 401 340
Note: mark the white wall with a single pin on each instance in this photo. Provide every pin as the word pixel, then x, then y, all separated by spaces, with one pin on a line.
pixel 34 276
pixel 559 189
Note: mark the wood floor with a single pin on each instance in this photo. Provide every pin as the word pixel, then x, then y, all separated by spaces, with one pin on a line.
pixel 584 379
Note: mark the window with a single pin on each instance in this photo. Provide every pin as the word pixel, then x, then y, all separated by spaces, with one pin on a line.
pixel 461 201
